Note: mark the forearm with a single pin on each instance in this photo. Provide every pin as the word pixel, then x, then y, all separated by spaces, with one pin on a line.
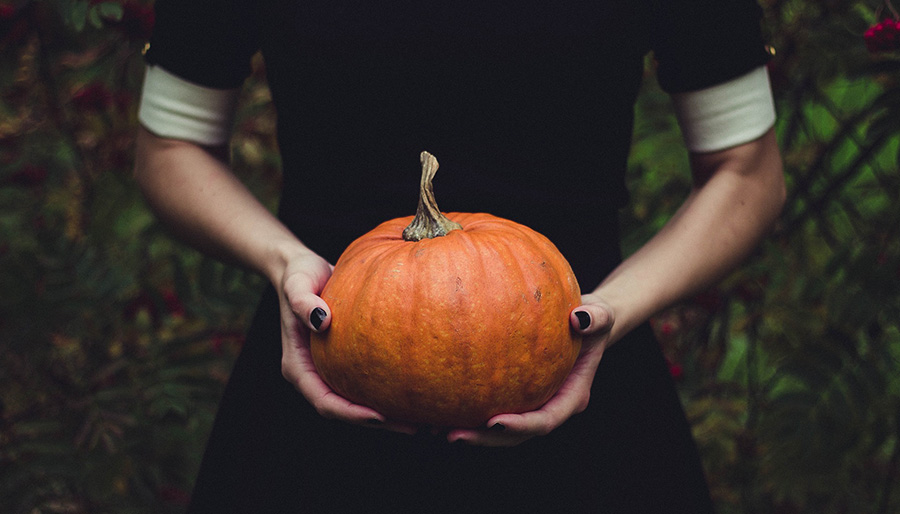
pixel 204 204
pixel 737 197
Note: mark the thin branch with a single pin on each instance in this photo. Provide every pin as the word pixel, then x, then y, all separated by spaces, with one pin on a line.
pixel 890 479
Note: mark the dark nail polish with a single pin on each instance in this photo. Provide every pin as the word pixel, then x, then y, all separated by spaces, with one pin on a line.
pixel 374 422
pixel 584 319
pixel 497 427
pixel 317 316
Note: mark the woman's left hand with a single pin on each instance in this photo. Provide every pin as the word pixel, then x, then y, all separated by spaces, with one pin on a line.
pixel 594 319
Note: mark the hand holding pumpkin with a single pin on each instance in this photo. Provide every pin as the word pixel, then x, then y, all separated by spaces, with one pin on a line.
pixel 594 320
pixel 302 311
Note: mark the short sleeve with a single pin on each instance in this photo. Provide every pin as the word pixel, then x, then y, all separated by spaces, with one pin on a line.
pixel 727 114
pixel 206 42
pixel 701 43
pixel 175 108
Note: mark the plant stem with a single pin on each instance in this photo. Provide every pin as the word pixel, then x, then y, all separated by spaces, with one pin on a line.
pixel 429 222
pixel 890 478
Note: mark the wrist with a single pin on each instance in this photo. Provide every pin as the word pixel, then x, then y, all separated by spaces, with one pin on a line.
pixel 279 256
pixel 626 309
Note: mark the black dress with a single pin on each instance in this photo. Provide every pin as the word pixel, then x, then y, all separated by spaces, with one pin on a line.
pixel 528 106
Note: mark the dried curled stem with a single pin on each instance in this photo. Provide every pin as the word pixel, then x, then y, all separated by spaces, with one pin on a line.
pixel 429 222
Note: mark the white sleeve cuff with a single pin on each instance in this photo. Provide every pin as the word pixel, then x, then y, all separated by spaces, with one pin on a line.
pixel 728 114
pixel 173 107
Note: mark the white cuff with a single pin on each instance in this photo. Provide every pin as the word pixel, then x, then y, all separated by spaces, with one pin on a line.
pixel 173 107
pixel 728 114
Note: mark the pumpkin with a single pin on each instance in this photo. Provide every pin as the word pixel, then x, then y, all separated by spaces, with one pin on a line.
pixel 448 320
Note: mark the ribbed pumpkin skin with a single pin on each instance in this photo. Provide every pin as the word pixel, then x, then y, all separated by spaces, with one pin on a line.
pixel 452 330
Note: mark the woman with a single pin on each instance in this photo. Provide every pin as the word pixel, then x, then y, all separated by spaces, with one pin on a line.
pixel 529 108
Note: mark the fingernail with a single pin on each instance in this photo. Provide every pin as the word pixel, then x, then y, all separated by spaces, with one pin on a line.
pixel 317 316
pixel 584 319
pixel 497 427
pixel 374 421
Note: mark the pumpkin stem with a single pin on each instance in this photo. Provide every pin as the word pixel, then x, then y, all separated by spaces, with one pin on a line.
pixel 429 222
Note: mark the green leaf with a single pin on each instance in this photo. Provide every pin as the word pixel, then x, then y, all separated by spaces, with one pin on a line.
pixel 95 18
pixel 79 14
pixel 110 10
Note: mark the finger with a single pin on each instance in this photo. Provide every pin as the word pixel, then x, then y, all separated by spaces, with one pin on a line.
pixel 491 437
pixel 334 406
pixel 299 370
pixel 311 309
pixel 302 374
pixel 513 429
pixel 319 320
pixel 591 318
pixel 301 291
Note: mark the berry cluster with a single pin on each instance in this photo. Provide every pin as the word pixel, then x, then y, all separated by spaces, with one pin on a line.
pixel 883 37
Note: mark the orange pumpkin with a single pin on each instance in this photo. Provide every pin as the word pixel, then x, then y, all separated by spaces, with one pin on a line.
pixel 448 321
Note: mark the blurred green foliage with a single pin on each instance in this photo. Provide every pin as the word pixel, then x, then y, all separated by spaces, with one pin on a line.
pixel 789 368
pixel 116 341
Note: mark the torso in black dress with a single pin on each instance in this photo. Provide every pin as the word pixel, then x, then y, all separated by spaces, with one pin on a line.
pixel 512 101
pixel 528 107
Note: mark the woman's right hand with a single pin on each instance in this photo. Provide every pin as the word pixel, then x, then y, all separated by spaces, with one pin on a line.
pixel 303 311
pixel 215 212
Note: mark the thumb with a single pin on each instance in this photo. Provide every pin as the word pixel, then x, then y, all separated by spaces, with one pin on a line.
pixel 319 318
pixel 592 318
pixel 310 308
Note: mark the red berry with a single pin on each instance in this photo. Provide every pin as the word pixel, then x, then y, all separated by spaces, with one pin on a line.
pixel 29 176
pixel 667 328
pixel 172 302
pixel 7 11
pixel 884 36
pixel 676 370
pixel 93 97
